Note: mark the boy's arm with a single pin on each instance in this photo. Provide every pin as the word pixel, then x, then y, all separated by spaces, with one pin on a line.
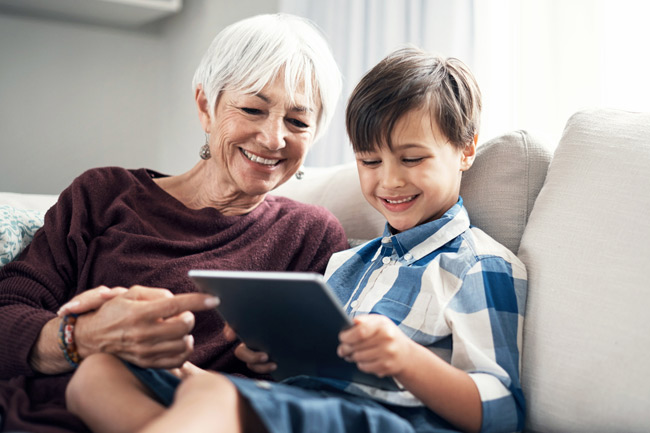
pixel 378 346
pixel 481 387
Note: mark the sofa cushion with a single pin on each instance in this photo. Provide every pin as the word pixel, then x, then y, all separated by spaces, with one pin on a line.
pixel 337 188
pixel 499 190
pixel 586 248
pixel 40 202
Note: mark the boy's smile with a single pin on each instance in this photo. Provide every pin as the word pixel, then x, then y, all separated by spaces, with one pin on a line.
pixel 419 179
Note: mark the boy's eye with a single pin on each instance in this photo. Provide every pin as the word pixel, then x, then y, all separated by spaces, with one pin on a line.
pixel 412 160
pixel 370 162
pixel 298 123
pixel 248 110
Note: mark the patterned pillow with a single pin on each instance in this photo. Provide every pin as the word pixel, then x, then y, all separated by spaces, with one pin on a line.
pixel 17 228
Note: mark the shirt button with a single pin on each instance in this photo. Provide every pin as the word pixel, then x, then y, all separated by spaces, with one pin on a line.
pixel 385 240
pixel 354 304
pixel 263 384
pixel 386 260
pixel 407 256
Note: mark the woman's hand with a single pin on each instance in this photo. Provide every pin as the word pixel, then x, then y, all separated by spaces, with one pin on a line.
pixel 146 326
pixel 90 300
pixel 376 345
pixel 257 362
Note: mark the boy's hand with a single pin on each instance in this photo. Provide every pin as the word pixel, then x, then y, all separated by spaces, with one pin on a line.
pixel 255 361
pixel 376 345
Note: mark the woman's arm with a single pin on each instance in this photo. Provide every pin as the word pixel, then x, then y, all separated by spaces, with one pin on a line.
pixel 146 326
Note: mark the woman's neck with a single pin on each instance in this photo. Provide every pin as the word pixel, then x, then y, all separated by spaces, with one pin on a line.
pixel 200 187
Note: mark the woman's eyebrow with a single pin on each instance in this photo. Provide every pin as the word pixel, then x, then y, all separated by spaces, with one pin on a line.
pixel 295 108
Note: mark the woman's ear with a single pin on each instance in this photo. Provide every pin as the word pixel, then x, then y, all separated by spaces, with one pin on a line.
pixel 468 155
pixel 203 108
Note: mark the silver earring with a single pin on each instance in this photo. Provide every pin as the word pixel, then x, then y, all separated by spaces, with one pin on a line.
pixel 299 174
pixel 204 153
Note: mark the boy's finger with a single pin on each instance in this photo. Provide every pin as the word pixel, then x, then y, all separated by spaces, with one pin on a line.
pixel 364 328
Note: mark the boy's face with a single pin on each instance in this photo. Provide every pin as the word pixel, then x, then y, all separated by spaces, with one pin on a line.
pixel 419 179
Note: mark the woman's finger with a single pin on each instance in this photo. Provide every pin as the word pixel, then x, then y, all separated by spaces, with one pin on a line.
pixel 265 368
pixel 169 307
pixel 255 361
pixel 168 354
pixel 250 356
pixel 229 333
pixel 90 300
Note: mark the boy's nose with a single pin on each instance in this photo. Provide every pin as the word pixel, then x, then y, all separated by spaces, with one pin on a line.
pixel 393 176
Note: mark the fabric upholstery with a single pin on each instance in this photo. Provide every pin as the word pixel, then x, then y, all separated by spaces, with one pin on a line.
pixel 501 186
pixel 17 228
pixel 586 248
pixel 337 188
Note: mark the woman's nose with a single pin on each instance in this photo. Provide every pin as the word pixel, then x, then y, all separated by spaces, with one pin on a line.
pixel 273 134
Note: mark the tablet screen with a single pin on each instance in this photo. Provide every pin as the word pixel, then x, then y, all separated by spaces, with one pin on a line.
pixel 292 316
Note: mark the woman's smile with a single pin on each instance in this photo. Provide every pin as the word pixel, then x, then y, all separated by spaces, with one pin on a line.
pixel 259 159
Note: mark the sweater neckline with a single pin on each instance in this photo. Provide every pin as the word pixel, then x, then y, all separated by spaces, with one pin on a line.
pixel 147 176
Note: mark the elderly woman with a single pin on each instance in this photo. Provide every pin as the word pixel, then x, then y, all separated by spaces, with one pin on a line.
pixel 265 91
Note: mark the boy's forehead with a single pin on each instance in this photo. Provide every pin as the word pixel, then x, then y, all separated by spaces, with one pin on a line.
pixel 414 126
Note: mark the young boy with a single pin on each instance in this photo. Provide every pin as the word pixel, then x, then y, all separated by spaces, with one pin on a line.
pixel 437 304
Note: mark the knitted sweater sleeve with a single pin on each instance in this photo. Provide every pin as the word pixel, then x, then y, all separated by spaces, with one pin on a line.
pixel 34 286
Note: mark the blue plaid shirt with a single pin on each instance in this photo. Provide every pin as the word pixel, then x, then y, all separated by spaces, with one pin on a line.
pixel 453 289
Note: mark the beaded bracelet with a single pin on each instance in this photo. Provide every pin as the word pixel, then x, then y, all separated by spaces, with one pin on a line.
pixel 66 339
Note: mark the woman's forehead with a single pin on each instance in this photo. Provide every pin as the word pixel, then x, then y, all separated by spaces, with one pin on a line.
pixel 278 91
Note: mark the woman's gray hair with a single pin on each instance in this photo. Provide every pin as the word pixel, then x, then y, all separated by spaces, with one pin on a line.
pixel 247 55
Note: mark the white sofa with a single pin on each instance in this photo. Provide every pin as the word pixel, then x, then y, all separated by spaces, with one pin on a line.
pixel 578 219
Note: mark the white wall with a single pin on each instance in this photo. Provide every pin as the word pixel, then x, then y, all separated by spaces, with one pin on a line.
pixel 75 96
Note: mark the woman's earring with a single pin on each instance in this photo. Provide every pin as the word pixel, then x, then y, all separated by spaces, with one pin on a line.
pixel 205 149
pixel 300 174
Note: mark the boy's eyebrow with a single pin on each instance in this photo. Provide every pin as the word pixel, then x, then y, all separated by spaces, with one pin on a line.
pixel 403 146
pixel 295 108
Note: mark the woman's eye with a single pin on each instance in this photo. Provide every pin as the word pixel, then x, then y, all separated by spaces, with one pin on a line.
pixel 298 123
pixel 251 110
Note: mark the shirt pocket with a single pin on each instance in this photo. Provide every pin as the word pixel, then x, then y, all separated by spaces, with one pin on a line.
pixel 409 318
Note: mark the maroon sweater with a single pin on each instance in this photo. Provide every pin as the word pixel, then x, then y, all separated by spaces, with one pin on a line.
pixel 116 227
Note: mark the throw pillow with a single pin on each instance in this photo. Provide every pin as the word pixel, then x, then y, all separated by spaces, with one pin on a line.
pixel 501 186
pixel 17 228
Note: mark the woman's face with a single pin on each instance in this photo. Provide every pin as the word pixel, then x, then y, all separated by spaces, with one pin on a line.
pixel 258 141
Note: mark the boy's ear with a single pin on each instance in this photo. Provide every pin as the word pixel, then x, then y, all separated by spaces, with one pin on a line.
pixel 203 108
pixel 468 154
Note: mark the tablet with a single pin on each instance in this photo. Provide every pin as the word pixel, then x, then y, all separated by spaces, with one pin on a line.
pixel 292 316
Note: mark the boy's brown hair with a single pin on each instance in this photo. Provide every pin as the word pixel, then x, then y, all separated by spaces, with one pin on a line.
pixel 409 79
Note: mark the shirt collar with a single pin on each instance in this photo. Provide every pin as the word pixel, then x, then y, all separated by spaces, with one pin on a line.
pixel 415 243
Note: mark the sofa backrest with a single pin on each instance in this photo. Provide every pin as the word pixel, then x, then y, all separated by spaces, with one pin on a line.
pixel 586 248
pixel 499 190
